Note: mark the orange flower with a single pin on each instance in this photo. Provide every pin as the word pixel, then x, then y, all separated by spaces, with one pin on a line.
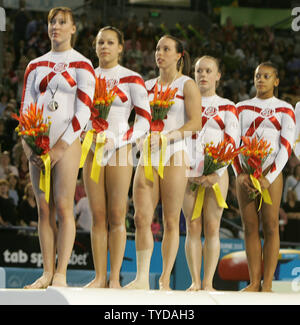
pixel 253 154
pixel 102 95
pixel 163 98
pixel 31 121
pixel 224 152
pixel 33 128
pixel 253 147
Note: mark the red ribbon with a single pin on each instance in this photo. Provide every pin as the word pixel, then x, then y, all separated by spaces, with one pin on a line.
pixel 229 108
pixel 75 124
pixel 82 65
pixel 43 142
pixel 29 69
pixel 286 111
pixel 157 125
pixel 69 79
pixel 255 163
pixel 143 113
pixel 84 98
pixel 99 124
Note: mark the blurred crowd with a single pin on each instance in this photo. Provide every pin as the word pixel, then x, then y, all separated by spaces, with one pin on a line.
pixel 240 49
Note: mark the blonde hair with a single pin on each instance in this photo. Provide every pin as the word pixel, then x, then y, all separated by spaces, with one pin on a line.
pixel 28 185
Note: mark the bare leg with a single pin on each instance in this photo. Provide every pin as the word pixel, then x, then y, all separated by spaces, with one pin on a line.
pixel 212 217
pixel 118 179
pixel 145 198
pixel 250 220
pixel 47 231
pixel 172 193
pixel 99 232
pixel 193 245
pixel 65 174
pixel 270 217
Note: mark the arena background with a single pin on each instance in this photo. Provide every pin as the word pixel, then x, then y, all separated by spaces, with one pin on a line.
pixel 241 33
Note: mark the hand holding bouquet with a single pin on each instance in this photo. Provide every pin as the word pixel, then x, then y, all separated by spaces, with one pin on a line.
pixel 103 100
pixel 215 157
pixel 253 155
pixel 160 106
pixel 33 129
pixel 35 132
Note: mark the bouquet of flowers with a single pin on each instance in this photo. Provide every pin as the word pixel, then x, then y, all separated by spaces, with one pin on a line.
pixel 215 157
pixel 103 100
pixel 160 106
pixel 35 132
pixel 33 129
pixel 253 155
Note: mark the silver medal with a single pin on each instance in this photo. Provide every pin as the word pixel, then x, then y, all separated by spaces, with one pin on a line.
pixel 53 105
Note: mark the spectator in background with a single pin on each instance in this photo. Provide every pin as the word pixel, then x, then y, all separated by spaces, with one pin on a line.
pixel 4 138
pixel 83 214
pixel 23 169
pixel 156 228
pixel 292 223
pixel 5 166
pixel 242 94
pixel 28 213
pixel 79 190
pixel 8 212
pixel 228 29
pixel 20 24
pixel 3 102
pixel 149 57
pixel 13 185
pixel 292 182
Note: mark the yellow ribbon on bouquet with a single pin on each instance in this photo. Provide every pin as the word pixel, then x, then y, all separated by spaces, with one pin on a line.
pixel 265 195
pixel 147 157
pixel 98 155
pixel 45 176
pixel 85 147
pixel 200 199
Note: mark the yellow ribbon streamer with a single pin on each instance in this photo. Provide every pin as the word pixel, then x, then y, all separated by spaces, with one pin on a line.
pixel 98 155
pixel 200 199
pixel 199 202
pixel 265 195
pixel 45 176
pixel 147 157
pixel 219 197
pixel 85 147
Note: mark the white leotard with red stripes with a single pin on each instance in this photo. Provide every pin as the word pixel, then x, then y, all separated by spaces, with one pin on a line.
pixel 71 78
pixel 297 139
pixel 219 121
pixel 273 120
pixel 131 94
pixel 176 117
